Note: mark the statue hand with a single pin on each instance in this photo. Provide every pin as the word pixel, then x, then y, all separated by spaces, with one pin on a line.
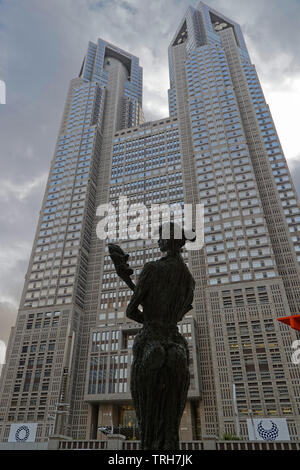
pixel 119 259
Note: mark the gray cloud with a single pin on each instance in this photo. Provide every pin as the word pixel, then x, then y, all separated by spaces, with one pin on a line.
pixel 42 44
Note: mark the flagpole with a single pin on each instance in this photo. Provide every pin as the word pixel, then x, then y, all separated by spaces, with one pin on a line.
pixel 238 431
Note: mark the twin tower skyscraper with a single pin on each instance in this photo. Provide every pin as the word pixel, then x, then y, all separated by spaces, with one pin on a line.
pixel 68 360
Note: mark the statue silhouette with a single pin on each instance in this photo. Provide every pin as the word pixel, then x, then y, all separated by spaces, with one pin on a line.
pixel 160 369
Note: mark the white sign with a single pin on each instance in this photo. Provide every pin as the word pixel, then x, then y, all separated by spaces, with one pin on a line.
pixel 2 92
pixel 268 429
pixel 22 432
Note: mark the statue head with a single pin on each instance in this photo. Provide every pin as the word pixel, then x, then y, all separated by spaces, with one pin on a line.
pixel 172 238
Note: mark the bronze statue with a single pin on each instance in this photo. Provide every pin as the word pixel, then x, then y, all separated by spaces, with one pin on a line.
pixel 160 369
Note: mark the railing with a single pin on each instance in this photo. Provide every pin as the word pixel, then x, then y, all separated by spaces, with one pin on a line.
pixel 186 445
pixel 131 445
pixel 246 445
pixel 191 445
pixel 82 445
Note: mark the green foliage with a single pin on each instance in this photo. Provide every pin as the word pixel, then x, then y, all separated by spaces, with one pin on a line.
pixel 230 437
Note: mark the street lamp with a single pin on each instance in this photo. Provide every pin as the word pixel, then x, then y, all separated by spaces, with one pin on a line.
pixel 252 422
pixel 238 431
pixel 111 421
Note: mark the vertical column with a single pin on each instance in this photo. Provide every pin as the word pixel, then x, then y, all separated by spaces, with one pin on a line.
pixel 117 76
pixel 196 258
pixel 288 266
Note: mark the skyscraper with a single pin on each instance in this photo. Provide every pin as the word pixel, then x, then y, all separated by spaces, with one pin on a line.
pixel 69 354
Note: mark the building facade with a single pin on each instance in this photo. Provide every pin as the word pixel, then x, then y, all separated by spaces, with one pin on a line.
pixel 69 354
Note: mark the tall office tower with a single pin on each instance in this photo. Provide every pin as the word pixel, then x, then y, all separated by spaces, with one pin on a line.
pixel 69 354
pixel 248 273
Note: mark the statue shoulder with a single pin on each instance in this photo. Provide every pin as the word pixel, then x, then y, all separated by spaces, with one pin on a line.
pixel 148 269
pixel 151 265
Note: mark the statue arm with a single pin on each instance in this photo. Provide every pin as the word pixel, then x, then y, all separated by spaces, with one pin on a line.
pixel 139 294
pixel 120 261
pixel 187 306
pixel 133 312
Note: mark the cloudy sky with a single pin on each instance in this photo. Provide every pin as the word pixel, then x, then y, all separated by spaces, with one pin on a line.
pixel 42 44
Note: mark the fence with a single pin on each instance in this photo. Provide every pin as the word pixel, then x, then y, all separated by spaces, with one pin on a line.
pixel 188 445
pixel 246 445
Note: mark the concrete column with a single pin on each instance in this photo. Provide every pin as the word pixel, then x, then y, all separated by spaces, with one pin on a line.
pixel 115 442
pixel 209 442
pixel 186 424
pixel 53 444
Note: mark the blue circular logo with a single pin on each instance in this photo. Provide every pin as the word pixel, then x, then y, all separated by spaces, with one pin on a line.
pixel 268 434
pixel 22 433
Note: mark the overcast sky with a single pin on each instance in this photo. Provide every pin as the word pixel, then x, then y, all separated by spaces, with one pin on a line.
pixel 42 44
